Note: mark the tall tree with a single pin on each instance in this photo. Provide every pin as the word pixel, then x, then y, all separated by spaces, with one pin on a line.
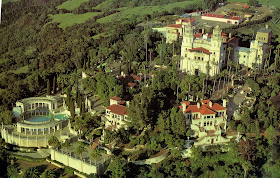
pixel 48 87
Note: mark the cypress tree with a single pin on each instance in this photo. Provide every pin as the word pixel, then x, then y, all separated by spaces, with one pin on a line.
pixel 83 108
pixel 120 70
pixel 88 63
pixel 48 87
pixel 72 108
pixel 54 87
pixel 84 66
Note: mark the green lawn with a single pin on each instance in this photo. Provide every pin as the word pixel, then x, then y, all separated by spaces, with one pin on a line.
pixel 71 4
pixel 126 12
pixel 70 19
pixel 264 2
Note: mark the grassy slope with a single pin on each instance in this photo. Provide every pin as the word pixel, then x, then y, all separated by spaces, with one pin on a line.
pixel 5 1
pixel 264 2
pixel 70 19
pixel 126 12
pixel 71 4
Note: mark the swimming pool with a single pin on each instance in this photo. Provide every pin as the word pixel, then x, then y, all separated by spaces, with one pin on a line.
pixel 39 118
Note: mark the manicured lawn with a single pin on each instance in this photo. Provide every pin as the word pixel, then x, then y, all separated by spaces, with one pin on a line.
pixel 71 4
pixel 70 19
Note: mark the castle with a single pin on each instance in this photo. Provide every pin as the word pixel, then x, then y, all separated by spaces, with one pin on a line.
pixel 209 53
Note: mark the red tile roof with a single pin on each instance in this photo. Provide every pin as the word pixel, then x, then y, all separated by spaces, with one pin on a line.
pixel 235 18
pixel 136 77
pixel 217 107
pixel 131 84
pixel 205 101
pixel 214 15
pixel 198 35
pixel 185 20
pixel 201 49
pixel 115 98
pixel 204 109
pixel 117 109
pixel 175 25
pixel 186 102
pixel 230 40
pixel 122 102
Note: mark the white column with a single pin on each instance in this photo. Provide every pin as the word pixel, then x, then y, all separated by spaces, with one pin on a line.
pixel 25 130
pixel 43 131
pixel 37 131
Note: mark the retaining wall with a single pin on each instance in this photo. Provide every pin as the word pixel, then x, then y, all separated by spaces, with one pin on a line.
pixel 78 164
pixel 24 141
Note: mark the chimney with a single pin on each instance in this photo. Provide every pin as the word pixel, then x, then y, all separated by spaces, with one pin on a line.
pixel 210 104
pixel 184 107
pixel 203 31
pixel 224 103
pixel 127 103
pixel 229 35
pixel 198 104
pixel 266 26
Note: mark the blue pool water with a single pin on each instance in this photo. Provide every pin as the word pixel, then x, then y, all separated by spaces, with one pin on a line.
pixel 61 116
pixel 39 118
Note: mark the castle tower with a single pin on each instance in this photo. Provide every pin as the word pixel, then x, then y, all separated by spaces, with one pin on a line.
pixel 187 43
pixel 217 37
pixel 188 35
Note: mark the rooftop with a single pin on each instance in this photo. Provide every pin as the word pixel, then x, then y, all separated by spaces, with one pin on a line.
pixel 243 49
pixel 204 109
pixel 117 109
pixel 175 25
pixel 214 15
pixel 201 49
pixel 264 30
pixel 185 20
pixel 115 98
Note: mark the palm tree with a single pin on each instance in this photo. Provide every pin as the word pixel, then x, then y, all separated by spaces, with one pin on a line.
pixel 246 166
pixel 67 144
pixel 80 149
pixel 31 172
pixel 266 57
pixel 228 49
pixel 208 68
pixel 48 174
pixel 237 59
pixel 230 63
pixel 270 47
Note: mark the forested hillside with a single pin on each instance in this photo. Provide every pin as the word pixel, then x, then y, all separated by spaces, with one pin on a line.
pixel 55 40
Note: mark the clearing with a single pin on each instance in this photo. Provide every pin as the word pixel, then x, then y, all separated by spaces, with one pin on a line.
pixel 71 4
pixel 126 12
pixel 70 19
pixel 263 2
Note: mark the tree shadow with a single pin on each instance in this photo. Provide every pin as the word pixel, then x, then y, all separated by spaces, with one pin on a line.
pixel 41 168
